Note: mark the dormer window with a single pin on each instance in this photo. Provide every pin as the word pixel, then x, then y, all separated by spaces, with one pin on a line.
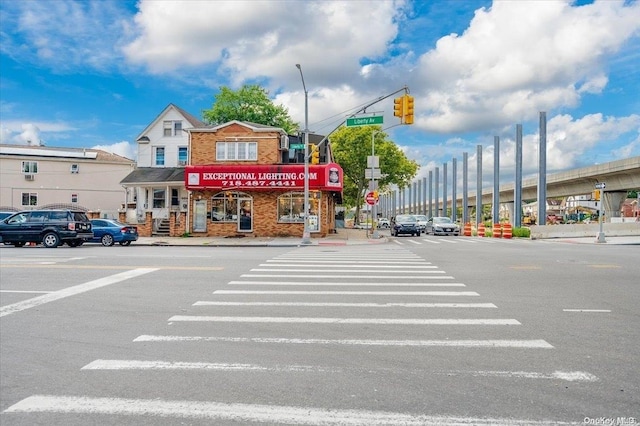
pixel 172 128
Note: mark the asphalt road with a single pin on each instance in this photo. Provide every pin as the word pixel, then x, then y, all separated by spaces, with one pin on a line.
pixel 429 330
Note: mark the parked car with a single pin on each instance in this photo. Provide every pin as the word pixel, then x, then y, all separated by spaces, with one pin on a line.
pixel 442 225
pixel 404 224
pixel 383 222
pixel 49 227
pixel 108 232
pixel 422 221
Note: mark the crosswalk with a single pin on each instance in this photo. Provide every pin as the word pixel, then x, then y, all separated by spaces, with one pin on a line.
pixel 318 298
pixel 435 240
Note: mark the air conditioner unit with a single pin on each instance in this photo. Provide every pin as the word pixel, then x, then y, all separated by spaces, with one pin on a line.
pixel 182 163
pixel 75 168
pixel 284 142
pixel 29 177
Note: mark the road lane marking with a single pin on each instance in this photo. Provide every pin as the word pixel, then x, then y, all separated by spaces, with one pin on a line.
pixel 107 267
pixel 430 271
pixel 569 376
pixel 357 262
pixel 109 364
pixel 26 291
pixel 351 305
pixel 369 277
pixel 244 413
pixel 317 320
pixel 516 344
pixel 376 284
pixel 372 266
pixel 525 267
pixel 72 291
pixel 358 293
pixel 587 310
pixel 610 266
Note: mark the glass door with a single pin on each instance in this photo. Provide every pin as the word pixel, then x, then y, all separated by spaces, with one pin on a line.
pixel 245 215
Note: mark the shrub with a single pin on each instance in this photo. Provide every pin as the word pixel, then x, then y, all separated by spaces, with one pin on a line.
pixel 521 232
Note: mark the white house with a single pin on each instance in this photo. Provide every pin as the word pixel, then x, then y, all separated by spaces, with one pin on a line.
pixel 157 186
pixel 40 176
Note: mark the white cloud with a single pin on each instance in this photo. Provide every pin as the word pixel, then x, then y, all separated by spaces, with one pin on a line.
pixel 518 58
pixel 65 35
pixel 31 133
pixel 123 149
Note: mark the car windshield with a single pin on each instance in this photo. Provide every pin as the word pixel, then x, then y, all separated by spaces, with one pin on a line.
pixel 442 220
pixel 406 218
pixel 421 217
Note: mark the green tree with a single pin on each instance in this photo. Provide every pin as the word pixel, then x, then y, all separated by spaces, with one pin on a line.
pixel 351 146
pixel 249 103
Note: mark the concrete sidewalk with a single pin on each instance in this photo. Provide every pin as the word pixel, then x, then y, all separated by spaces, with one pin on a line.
pixel 343 236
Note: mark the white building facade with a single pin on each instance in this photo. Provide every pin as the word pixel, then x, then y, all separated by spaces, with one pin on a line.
pixel 40 176
pixel 156 187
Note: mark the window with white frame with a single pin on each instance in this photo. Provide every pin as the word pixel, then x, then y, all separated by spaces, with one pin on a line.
pixel 290 207
pixel 243 151
pixel 159 198
pixel 183 155
pixel 29 167
pixel 29 198
pixel 158 154
pixel 224 206
pixel 172 128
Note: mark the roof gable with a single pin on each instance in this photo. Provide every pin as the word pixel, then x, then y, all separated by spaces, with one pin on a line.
pixel 191 119
pixel 254 127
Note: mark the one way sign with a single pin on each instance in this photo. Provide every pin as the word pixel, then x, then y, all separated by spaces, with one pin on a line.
pixel 600 185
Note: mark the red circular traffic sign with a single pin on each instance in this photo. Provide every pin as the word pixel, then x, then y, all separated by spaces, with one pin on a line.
pixel 370 198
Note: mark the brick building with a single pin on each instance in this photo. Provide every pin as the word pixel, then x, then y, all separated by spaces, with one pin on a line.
pixel 248 179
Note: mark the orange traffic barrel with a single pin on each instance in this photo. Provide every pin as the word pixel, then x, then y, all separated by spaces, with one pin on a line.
pixel 497 232
pixel 467 230
pixel 481 230
pixel 506 230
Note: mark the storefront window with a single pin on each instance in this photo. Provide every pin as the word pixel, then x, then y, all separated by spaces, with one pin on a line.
pixel 224 207
pixel 290 207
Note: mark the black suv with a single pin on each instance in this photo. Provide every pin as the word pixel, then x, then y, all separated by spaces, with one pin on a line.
pixel 49 227
pixel 404 224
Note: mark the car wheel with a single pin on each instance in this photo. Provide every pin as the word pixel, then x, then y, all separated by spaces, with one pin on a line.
pixel 107 240
pixel 51 240
pixel 74 243
pixel 125 243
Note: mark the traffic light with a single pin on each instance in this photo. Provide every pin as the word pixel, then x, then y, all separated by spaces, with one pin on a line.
pixel 315 154
pixel 398 107
pixel 408 109
pixel 596 195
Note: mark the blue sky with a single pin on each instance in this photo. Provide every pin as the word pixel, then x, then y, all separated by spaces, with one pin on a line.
pixel 95 74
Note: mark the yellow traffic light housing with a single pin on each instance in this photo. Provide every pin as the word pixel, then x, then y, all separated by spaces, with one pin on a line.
pixel 398 107
pixel 596 195
pixel 408 109
pixel 315 154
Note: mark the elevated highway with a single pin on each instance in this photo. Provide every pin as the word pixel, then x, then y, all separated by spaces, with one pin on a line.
pixel 620 176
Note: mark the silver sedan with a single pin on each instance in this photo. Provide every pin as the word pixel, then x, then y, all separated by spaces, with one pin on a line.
pixel 442 226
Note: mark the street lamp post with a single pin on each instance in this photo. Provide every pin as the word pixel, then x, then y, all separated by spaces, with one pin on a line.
pixel 306 234
pixel 374 210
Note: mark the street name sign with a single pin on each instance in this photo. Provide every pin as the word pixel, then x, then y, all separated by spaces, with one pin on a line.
pixel 364 121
